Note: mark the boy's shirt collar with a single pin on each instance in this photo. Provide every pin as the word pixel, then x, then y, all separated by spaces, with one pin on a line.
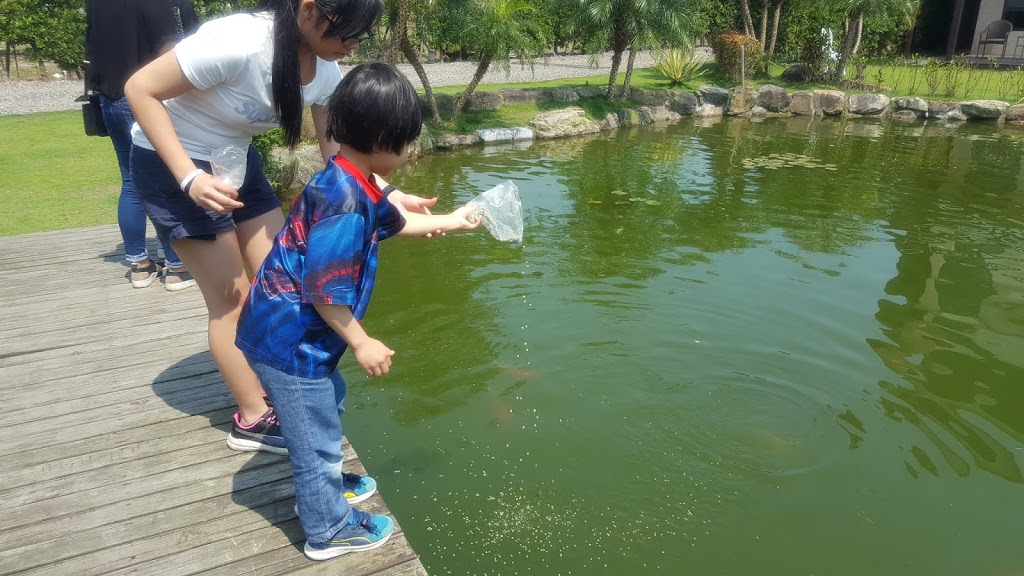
pixel 372 190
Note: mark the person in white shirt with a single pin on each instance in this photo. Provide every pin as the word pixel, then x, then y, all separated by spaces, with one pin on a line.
pixel 236 77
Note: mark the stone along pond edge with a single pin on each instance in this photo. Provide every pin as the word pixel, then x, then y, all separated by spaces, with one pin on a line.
pixel 769 101
pixel 710 101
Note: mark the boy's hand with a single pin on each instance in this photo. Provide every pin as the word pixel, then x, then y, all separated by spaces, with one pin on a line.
pixel 467 218
pixel 373 356
pixel 212 194
pixel 415 204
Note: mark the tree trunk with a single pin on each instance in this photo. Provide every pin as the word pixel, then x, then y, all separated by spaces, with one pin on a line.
pixel 405 45
pixel 481 69
pixel 748 23
pixel 7 59
pixel 764 24
pixel 845 52
pixel 910 36
pixel 616 61
pixel 629 72
pixel 775 27
pixel 859 33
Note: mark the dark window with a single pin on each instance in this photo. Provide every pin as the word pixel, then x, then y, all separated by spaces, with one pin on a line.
pixel 1013 10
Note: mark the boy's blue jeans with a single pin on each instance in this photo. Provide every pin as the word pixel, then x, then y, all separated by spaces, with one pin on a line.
pixel 131 217
pixel 309 413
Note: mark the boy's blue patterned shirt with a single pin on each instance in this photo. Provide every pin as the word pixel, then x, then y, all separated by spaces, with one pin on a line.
pixel 325 254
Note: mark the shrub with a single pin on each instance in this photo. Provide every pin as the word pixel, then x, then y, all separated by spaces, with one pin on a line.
pixel 728 48
pixel 818 53
pixel 678 65
pixel 265 144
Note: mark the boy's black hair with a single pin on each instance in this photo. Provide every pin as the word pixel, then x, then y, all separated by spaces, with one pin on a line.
pixel 374 109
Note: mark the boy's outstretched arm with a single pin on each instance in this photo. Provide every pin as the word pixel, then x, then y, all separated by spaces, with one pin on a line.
pixel 464 218
pixel 371 354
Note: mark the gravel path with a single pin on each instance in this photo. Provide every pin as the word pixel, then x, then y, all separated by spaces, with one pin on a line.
pixel 24 97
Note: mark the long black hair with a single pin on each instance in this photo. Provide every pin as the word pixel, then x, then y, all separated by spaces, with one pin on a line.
pixel 345 19
pixel 375 109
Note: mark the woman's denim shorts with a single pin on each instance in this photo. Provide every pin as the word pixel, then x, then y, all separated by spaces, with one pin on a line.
pixel 175 214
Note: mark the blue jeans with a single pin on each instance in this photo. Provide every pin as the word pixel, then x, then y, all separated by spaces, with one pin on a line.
pixel 309 412
pixel 131 217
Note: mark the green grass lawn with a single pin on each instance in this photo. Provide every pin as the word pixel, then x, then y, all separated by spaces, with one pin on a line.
pixel 53 176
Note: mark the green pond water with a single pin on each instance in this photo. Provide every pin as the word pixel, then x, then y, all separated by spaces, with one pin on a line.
pixel 778 348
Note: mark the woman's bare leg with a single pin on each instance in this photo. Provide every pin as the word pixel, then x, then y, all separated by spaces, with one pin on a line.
pixel 218 269
pixel 256 237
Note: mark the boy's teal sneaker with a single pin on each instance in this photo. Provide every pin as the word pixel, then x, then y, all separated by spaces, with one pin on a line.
pixel 357 488
pixel 364 532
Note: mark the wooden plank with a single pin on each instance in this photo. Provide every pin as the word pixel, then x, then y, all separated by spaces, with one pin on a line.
pixel 116 417
pixel 286 537
pixel 100 406
pixel 156 535
pixel 290 560
pixel 231 474
pixel 147 370
pixel 124 328
pixel 80 314
pixel 51 431
pixel 156 352
pixel 108 342
pixel 115 475
pixel 66 466
pixel 86 453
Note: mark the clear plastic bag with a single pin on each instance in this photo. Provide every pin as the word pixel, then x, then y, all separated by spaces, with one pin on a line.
pixel 228 164
pixel 502 212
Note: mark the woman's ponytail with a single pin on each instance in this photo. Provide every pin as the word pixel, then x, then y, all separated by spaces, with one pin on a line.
pixel 286 82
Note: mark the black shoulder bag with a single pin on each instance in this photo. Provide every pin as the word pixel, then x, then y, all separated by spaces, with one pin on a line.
pixel 92 114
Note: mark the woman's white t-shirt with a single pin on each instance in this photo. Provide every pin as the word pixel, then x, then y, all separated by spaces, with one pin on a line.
pixel 229 61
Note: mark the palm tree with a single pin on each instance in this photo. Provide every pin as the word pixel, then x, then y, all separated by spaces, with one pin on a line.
pixel 494 30
pixel 913 13
pixel 853 28
pixel 401 35
pixel 627 21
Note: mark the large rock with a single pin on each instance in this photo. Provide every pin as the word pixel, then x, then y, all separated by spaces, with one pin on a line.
pixel 714 96
pixel 591 91
pixel 797 73
pixel 905 116
pixel 955 115
pixel 628 117
pixel 1015 113
pixel 868 104
pixel 516 96
pixel 559 123
pixel 485 101
pixel 682 103
pixel 773 98
pixel 610 122
pixel 650 97
pixel 912 104
pixel 559 95
pixel 939 108
pixel 449 141
pixel 983 109
pixel 801 103
pixel 741 100
pixel 505 134
pixel 830 102
pixel 652 114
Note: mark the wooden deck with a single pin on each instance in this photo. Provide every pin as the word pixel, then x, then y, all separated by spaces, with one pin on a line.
pixel 114 425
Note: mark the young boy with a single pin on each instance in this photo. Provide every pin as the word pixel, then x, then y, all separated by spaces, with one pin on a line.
pixel 308 298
